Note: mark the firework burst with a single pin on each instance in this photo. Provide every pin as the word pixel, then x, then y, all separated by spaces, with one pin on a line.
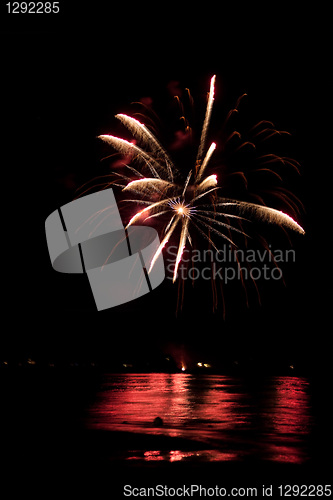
pixel 194 204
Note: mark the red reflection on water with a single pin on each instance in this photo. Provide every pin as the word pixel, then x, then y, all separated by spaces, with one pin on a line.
pixel 290 419
pixel 152 455
pixel 177 455
pixel 232 420
pixel 180 455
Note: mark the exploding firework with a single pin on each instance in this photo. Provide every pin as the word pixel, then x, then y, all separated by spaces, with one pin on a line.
pixel 192 201
pixel 161 193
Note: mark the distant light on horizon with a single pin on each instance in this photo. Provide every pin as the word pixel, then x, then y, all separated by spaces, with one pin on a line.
pixel 205 365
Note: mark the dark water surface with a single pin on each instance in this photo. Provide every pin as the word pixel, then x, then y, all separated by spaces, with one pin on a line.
pixel 76 430
pixel 225 418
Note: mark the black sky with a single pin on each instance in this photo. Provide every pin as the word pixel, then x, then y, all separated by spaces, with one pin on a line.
pixel 63 80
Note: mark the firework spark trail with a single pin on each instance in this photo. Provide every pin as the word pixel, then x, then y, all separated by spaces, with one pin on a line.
pixel 124 146
pixel 183 237
pixel 149 207
pixel 163 243
pixel 210 181
pixel 206 160
pixel 207 119
pixel 147 184
pixel 267 214
pixel 183 202
pixel 140 131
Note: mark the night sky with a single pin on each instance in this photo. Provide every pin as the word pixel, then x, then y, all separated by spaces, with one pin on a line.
pixel 63 80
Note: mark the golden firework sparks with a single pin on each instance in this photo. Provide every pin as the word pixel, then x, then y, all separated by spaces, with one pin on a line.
pixel 195 203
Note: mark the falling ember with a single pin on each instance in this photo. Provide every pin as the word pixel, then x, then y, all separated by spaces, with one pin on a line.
pixel 194 204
